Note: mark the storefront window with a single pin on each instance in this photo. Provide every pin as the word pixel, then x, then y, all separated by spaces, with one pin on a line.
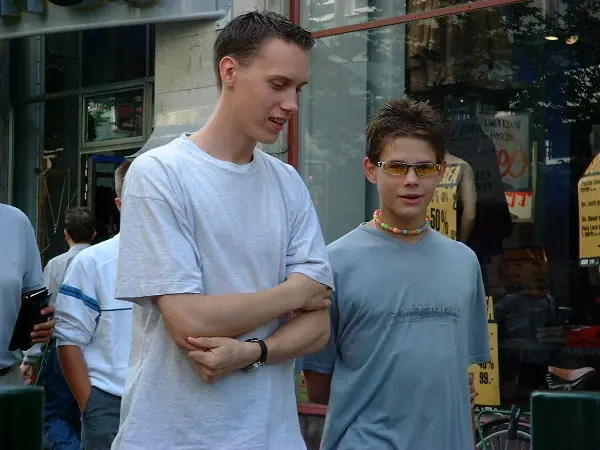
pixel 322 14
pixel 57 176
pixel 5 125
pixel 114 54
pixel 519 88
pixel 62 62
pixel 117 115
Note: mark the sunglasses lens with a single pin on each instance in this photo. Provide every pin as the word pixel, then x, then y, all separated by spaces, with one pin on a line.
pixel 424 170
pixel 394 168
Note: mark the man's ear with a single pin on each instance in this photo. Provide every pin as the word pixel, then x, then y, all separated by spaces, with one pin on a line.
pixel 227 71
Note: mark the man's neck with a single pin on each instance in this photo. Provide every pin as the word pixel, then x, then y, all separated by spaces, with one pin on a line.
pixel 221 138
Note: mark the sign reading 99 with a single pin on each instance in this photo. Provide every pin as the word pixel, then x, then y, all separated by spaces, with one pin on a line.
pixel 513 164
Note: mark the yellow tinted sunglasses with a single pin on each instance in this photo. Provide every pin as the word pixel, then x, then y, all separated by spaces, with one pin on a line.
pixel 401 168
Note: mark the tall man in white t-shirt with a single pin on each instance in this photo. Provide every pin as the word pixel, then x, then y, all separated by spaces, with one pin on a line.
pixel 93 336
pixel 222 255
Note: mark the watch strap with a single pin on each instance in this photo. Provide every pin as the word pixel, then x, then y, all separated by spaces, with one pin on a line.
pixel 264 351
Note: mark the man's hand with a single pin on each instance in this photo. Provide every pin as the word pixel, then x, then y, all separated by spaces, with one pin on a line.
pixel 472 390
pixel 217 357
pixel 25 369
pixel 314 295
pixel 43 332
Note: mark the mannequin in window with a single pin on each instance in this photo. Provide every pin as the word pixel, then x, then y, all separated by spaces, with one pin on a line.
pixel 467 197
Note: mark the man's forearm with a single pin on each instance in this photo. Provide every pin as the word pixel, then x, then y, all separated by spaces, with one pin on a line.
pixel 189 315
pixel 304 334
pixel 222 315
pixel 76 373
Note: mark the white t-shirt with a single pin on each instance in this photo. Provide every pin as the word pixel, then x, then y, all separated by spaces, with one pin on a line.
pixel 89 316
pixel 195 224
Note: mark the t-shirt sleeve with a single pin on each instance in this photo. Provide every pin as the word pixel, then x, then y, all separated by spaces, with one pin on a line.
pixel 306 253
pixel 158 253
pixel 32 276
pixel 78 308
pixel 50 280
pixel 478 338
pixel 324 361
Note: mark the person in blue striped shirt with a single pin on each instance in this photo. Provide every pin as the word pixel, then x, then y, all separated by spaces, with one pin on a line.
pixel 93 334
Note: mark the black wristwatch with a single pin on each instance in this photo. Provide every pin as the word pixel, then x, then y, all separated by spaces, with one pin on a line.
pixel 263 355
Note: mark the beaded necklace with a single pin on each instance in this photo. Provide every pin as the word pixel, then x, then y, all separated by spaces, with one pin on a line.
pixel 395 230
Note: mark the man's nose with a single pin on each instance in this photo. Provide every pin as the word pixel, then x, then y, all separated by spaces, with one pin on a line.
pixel 290 103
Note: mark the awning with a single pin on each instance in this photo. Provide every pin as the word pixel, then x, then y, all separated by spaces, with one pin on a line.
pixel 172 125
pixel 58 19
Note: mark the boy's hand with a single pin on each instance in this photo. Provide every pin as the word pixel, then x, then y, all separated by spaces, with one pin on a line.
pixel 472 391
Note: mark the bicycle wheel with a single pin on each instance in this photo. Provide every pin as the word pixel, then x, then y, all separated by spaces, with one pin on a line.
pixel 498 440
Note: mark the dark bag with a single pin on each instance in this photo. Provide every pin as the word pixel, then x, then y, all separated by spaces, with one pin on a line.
pixel 32 303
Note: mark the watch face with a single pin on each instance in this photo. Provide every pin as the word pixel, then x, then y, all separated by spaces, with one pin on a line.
pixel 253 367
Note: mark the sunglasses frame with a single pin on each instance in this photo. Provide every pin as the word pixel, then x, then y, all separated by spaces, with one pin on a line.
pixel 414 167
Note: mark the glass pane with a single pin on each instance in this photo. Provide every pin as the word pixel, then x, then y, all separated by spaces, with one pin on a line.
pixel 152 50
pixel 62 62
pixel 58 179
pixel 28 128
pixel 5 134
pixel 117 115
pixel 114 54
pixel 98 182
pixel 520 89
pixel 323 14
pixel 356 72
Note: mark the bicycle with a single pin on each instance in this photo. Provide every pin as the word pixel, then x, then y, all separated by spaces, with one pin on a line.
pixel 511 429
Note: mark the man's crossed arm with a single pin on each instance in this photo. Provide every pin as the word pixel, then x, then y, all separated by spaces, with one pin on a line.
pixel 206 326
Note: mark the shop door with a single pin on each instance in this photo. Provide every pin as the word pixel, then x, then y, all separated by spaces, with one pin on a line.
pixel 100 194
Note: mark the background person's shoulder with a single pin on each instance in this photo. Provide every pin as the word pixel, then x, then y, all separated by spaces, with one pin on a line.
pixel 10 213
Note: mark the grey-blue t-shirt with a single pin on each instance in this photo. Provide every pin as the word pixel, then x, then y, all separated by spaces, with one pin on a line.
pixel 407 321
pixel 20 272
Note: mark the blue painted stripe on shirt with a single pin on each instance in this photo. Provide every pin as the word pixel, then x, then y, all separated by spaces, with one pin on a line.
pixel 88 301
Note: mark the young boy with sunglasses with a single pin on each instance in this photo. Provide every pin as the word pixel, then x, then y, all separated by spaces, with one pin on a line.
pixel 409 311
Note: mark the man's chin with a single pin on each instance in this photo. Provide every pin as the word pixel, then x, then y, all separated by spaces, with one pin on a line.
pixel 268 139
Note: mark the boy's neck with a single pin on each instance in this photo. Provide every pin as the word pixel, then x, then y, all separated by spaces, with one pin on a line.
pixel 388 217
pixel 222 139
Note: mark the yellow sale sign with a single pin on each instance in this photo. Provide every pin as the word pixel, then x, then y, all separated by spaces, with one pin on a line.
pixel 589 215
pixel 442 209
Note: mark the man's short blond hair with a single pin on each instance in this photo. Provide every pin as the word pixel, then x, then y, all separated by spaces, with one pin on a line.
pixel 120 177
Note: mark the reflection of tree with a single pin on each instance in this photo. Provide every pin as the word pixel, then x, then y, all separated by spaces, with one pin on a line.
pixel 99 109
pixel 498 54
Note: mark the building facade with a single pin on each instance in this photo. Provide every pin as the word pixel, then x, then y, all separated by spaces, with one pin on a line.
pixel 86 83
pixel 517 81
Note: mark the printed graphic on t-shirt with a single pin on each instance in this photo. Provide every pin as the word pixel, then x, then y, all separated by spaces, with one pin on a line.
pixel 424 313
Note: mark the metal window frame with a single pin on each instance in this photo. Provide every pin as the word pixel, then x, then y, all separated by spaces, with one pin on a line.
pixel 11 154
pixel 112 144
pixel 294 128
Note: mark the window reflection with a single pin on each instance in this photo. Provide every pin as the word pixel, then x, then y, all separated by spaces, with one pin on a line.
pixel 324 14
pixel 113 54
pixel 117 115
pixel 523 118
